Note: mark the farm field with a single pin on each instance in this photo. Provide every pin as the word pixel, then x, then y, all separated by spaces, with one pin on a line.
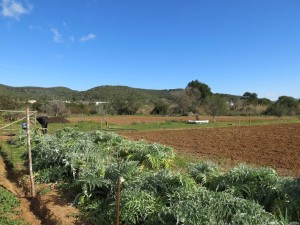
pixel 126 120
pixel 258 141
pixel 275 145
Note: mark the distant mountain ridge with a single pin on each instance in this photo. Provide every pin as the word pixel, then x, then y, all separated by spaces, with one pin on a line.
pixel 38 93
pixel 99 93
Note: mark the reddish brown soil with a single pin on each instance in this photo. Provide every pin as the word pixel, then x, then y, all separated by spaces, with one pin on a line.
pixel 58 120
pixel 55 209
pixel 51 207
pixel 276 146
pixel 125 120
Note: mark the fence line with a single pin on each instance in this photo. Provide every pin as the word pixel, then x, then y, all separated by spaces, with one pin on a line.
pixel 16 121
pixel 27 117
pixel 13 111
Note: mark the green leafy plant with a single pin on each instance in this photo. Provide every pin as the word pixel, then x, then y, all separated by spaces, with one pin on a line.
pixel 4 220
pixel 7 201
pixel 259 184
pixel 204 172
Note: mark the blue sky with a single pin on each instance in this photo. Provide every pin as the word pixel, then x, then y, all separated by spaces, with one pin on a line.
pixel 234 46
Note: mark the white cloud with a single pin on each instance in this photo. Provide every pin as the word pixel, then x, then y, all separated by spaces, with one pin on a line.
pixel 88 37
pixel 14 9
pixel 57 37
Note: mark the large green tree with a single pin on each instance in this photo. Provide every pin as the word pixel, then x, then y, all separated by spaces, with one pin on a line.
pixel 250 98
pixel 196 93
pixel 284 106
pixel 55 108
pixel 161 107
pixel 216 105
pixel 198 89
pixel 125 104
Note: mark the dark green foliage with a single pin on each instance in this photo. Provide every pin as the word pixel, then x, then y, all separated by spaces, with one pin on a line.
pixel 216 105
pixel 10 103
pixel 288 201
pixel 55 108
pixel 250 98
pixel 118 99
pixel 198 89
pixel 161 107
pixel 108 93
pixel 125 104
pixel 194 95
pixel 284 106
pixel 38 93
pixel 264 101
pixel 101 93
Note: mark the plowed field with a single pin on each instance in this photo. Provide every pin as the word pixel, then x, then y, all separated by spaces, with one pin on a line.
pixel 276 146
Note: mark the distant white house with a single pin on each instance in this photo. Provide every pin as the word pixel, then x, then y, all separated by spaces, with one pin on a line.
pixel 31 101
pixel 231 103
pixel 100 103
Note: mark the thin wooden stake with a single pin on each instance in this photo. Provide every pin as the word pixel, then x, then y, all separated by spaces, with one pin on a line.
pixel 118 200
pixel 29 153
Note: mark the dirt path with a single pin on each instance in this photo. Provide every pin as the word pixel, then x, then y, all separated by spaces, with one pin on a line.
pixel 24 209
pixel 52 208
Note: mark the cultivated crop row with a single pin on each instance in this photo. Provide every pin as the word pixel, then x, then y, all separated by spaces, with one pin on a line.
pixel 88 164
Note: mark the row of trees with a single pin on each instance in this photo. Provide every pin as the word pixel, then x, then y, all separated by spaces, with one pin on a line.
pixel 196 98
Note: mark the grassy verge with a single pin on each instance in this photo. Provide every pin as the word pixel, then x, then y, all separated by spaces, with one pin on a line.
pixel 87 126
pixel 8 201
pixel 13 157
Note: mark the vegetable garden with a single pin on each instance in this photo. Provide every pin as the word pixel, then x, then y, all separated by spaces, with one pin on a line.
pixel 155 191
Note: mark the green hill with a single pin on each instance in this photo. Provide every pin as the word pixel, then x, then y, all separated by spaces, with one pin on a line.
pixel 107 93
pixel 38 93
pixel 100 93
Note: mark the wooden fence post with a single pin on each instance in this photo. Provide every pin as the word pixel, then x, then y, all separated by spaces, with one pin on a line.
pixel 29 153
pixel 118 200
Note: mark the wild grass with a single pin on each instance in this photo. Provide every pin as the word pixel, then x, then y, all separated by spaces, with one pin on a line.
pixel 172 124
pixel 8 205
